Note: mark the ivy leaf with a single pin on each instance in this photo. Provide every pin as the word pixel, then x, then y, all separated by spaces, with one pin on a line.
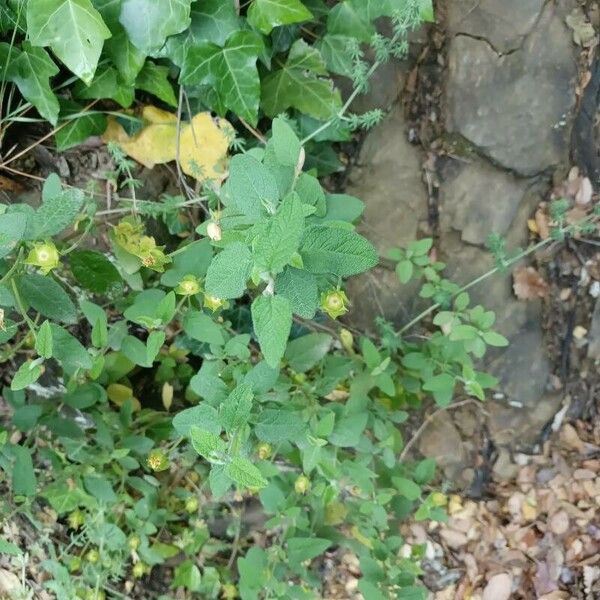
pixel 334 49
pixel 272 320
pixel 128 59
pixel 266 14
pixel 213 21
pixel 154 79
pixel 298 85
pixel 337 251
pixel 230 70
pixel 251 187
pixel 47 297
pixel 229 271
pixel 107 84
pixel 351 18
pixel 31 71
pixel 235 411
pixel 300 288
pixel 149 23
pixel 245 474
pixel 278 239
pixel 77 129
pixel 73 29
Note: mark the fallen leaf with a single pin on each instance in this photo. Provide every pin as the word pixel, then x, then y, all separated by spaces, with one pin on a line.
pixel 541 221
pixel 559 522
pixel 499 587
pixel 9 583
pixel 203 142
pixel 528 284
pixel 585 192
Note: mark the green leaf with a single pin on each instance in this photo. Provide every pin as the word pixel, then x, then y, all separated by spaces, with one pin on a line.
pixel 93 271
pixel 73 29
pixel 301 549
pixel 100 488
pixel 24 481
pixel 351 18
pixel 74 131
pixel 58 210
pixel 342 207
pixel 203 328
pixel 409 489
pixel 214 21
pixel 47 297
pixel 12 231
pixel 334 49
pixel 245 474
pixel 251 187
pixel 305 352
pixel 348 429
pixel 107 83
pixel 207 444
pixel 491 338
pixel 266 14
pixel 154 79
pixel 149 23
pixel 235 411
pixel 272 320
pixel 192 259
pixel 404 270
pixel 229 70
pixel 298 85
pixel 337 251
pixel 278 239
pixel 68 350
pixel 229 271
pixel 425 471
pixel 28 373
pixel 278 425
pixel 300 288
pixel 286 143
pixel 9 548
pixel 203 416
pixel 43 340
pixel 426 11
pixel 31 71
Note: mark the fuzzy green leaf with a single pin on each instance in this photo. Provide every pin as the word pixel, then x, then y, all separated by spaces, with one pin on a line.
pixel 272 320
pixel 12 230
pixel 305 352
pixel 47 297
pixel 229 271
pixel 235 411
pixel 244 473
pixel 95 272
pixel 43 341
pixel 337 251
pixel 203 328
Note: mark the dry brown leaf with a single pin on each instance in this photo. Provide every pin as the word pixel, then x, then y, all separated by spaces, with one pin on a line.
pixel 9 583
pixel 203 142
pixel 542 225
pixel 498 587
pixel 585 192
pixel 528 284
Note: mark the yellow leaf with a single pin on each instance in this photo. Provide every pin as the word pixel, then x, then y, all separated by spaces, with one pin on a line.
pixel 119 394
pixel 203 143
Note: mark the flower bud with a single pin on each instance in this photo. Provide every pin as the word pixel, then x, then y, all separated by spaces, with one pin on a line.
pixel 228 591
pixel 92 556
pixel 188 286
pixel 157 460
pixel 302 484
pixel 75 519
pixel 134 542
pixel 334 302
pixel 213 230
pixel 264 450
pixel 213 303
pixel 191 505
pixel 139 570
pixel 45 256
pixel 347 340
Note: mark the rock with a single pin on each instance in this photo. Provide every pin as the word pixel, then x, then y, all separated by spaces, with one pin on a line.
pixel 515 108
pixel 503 24
pixel 477 199
pixel 442 441
pixel 388 180
pixel 499 587
pixel 594 334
